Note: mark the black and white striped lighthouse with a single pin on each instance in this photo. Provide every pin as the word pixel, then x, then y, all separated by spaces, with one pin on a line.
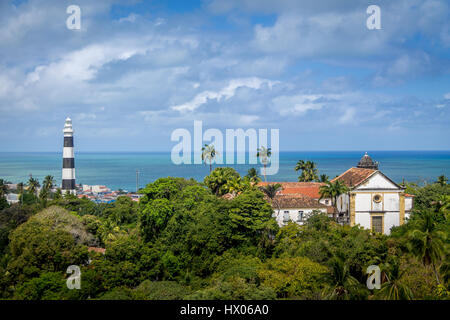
pixel 68 171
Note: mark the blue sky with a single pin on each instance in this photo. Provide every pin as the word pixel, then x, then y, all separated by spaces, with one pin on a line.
pixel 137 70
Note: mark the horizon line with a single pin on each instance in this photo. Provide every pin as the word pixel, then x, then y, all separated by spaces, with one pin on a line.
pixel 169 151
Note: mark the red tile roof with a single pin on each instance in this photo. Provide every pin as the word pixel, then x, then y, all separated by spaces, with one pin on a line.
pixel 309 189
pixel 354 176
pixel 96 249
pixel 409 195
pixel 296 201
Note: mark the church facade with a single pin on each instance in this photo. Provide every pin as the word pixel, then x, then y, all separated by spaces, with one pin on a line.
pixel 373 201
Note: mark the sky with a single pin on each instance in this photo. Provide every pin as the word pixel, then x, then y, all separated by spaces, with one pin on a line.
pixel 138 70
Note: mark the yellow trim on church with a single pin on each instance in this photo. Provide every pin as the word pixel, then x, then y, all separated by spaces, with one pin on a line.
pixel 402 208
pixel 352 208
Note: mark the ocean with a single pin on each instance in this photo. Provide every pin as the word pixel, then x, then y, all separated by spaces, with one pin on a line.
pixel 118 170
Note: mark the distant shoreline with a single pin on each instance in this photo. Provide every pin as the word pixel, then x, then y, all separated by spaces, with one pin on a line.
pixel 117 170
pixel 281 151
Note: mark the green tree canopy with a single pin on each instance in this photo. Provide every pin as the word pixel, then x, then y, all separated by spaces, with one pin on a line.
pixel 219 178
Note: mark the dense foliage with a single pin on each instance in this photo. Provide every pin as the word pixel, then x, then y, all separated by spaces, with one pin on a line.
pixel 185 240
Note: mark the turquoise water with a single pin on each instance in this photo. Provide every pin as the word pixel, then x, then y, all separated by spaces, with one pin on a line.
pixel 118 170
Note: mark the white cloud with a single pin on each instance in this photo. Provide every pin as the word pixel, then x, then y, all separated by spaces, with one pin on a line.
pixel 447 96
pixel 348 116
pixel 297 104
pixel 130 18
pixel 83 64
pixel 225 93
pixel 248 119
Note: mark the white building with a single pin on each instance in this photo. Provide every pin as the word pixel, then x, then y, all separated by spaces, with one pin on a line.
pixel 95 189
pixel 374 201
pixel 12 198
pixel 296 201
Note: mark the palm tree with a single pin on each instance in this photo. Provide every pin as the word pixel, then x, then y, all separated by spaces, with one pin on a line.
pixel 234 186
pixel 340 283
pixel 58 194
pixel 264 155
pixel 252 175
pixel 324 178
pixel 393 288
pixel 3 188
pixel 218 179
pixel 426 242
pixel 20 187
pixel 309 171
pixel 443 205
pixel 33 185
pixel 209 153
pixel 20 191
pixel 442 180
pixel 47 186
pixel 333 190
pixel 48 183
pixel 271 191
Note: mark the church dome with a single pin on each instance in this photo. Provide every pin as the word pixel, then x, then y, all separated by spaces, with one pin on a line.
pixel 366 162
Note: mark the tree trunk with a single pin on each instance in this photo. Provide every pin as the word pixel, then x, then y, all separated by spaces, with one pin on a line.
pixel 333 200
pixel 210 166
pixel 436 274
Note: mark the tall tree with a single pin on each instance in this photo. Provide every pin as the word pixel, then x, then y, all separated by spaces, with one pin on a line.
pixel 333 190
pixel 58 194
pixel 341 285
pixel 234 185
pixel 20 187
pixel 47 186
pixel 3 188
pixel 264 155
pixel 48 182
pixel 394 288
pixel 33 185
pixel 426 241
pixel 209 154
pixel 217 180
pixel 252 175
pixel 271 191
pixel 309 171
pixel 324 178
pixel 442 180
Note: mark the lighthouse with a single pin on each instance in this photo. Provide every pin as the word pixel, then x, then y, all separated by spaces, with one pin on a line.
pixel 68 171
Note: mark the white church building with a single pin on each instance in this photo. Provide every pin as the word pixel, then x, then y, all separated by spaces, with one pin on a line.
pixel 374 201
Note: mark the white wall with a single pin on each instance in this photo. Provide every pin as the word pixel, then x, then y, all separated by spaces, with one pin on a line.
pixel 377 181
pixel 293 214
pixel 363 202
pixel 391 202
pixel 408 203
pixel 342 202
pixel 391 219
pixel 363 219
